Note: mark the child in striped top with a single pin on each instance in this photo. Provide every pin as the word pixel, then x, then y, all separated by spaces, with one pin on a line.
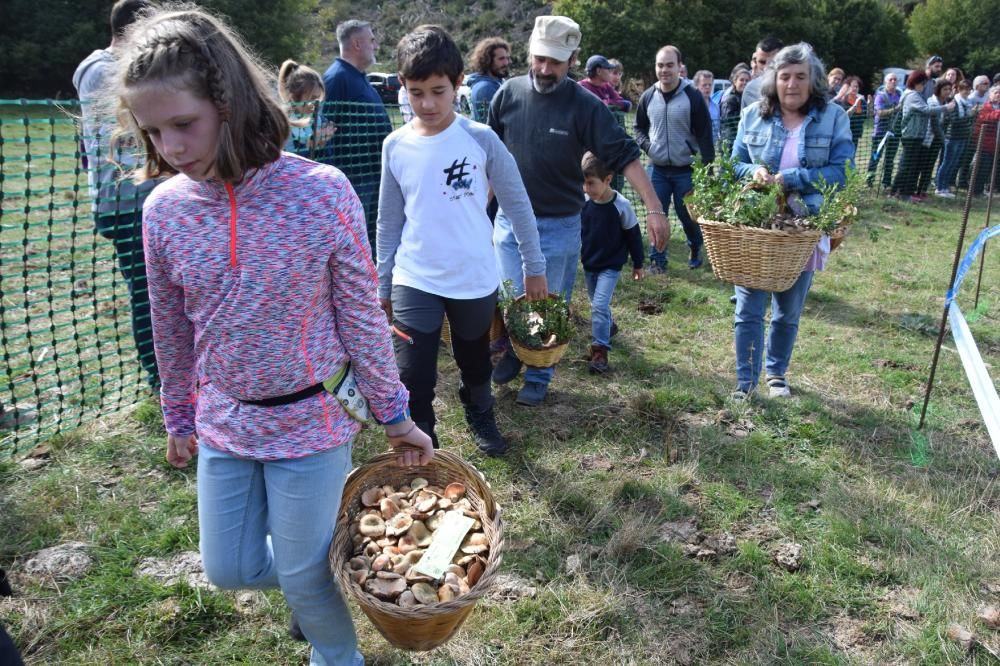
pixel 261 286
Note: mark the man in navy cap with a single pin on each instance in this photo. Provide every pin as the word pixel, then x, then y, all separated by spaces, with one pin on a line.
pixel 600 71
pixel 935 65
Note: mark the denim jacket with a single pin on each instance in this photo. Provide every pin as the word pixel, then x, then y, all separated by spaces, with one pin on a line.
pixel 825 147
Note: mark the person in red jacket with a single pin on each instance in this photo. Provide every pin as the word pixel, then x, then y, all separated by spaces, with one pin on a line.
pixel 986 122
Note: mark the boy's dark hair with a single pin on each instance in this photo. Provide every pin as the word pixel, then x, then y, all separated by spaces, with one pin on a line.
pixel 125 12
pixel 964 85
pixel 426 52
pixel 594 167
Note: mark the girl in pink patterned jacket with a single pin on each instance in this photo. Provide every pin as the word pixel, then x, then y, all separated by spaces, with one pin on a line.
pixel 261 286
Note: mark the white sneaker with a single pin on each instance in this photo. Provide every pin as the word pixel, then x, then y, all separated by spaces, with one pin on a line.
pixel 778 388
pixel 944 194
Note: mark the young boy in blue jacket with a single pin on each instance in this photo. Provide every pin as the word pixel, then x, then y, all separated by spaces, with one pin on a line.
pixel 610 233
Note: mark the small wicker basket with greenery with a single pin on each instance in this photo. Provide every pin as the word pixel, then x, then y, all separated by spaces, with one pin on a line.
pixel 539 331
pixel 758 238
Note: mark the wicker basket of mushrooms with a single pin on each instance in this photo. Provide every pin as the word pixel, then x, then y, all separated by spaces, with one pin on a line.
pixel 416 547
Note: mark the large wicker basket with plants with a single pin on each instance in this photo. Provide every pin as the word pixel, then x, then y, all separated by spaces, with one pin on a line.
pixel 539 331
pixel 423 626
pixel 757 238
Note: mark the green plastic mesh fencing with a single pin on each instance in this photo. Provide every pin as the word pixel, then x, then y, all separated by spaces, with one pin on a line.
pixel 71 271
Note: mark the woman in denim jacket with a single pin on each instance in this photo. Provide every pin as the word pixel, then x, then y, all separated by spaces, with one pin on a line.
pixel 794 137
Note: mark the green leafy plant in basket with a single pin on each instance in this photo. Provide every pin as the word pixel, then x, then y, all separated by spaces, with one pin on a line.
pixel 539 324
pixel 720 195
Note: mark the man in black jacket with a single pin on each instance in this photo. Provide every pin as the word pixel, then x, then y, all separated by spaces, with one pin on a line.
pixel 547 121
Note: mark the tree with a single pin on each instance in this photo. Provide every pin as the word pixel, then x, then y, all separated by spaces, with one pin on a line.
pixel 716 35
pixel 963 32
pixel 45 41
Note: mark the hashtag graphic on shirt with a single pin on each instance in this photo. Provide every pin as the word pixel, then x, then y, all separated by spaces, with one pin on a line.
pixel 457 175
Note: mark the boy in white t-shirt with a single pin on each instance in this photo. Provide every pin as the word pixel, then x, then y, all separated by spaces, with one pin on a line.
pixel 434 239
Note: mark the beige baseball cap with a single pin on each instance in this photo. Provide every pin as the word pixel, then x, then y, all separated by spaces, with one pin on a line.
pixel 555 37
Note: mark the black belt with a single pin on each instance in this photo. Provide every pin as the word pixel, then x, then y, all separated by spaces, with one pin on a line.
pixel 288 399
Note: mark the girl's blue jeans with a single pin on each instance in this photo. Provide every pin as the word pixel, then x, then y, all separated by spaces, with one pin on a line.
pixel 600 288
pixel 560 243
pixel 786 308
pixel 267 524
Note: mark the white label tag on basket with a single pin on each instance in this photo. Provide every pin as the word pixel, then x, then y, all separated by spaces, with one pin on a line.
pixel 447 539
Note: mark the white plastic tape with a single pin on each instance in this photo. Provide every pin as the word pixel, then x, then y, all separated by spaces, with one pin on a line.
pixel 979 377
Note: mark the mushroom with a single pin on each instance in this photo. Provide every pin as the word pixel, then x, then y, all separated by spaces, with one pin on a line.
pixel 463 560
pixel 444 503
pixel 360 562
pixel 407 600
pixel 386 541
pixel 407 561
pixel 387 490
pixel 382 562
pixel 434 521
pixel 384 588
pixel 372 525
pixel 457 570
pixel 417 483
pixel 398 524
pixel 414 576
pixel 476 543
pixel 475 571
pixel 451 580
pixel 372 496
pixel 420 533
pixel 425 502
pixel 388 508
pixel 454 491
pixel 372 549
pixel 359 576
pixel 407 543
pixel 447 592
pixel 424 593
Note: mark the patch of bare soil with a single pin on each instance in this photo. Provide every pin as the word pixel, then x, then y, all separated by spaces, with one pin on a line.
pixel 185 567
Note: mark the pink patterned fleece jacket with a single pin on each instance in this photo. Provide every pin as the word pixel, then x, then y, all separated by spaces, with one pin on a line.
pixel 260 290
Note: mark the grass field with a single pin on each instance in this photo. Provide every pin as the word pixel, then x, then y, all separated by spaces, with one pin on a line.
pixel 643 511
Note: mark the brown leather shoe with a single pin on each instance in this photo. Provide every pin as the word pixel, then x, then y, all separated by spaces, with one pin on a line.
pixel 598 359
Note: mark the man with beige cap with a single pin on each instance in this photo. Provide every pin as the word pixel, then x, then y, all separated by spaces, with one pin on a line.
pixel 548 122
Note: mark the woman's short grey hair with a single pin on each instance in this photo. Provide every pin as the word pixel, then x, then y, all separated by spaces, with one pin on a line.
pixel 796 54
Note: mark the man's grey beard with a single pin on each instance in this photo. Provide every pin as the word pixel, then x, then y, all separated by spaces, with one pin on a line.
pixel 544 87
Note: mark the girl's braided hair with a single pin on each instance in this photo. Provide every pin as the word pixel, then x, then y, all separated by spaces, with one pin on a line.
pixel 188 49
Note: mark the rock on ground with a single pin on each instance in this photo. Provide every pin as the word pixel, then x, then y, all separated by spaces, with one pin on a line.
pixel 67 561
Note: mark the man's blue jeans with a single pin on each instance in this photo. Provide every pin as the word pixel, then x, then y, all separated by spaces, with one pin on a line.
pixel 953 149
pixel 673 183
pixel 600 288
pixel 786 308
pixel 560 242
pixel 267 524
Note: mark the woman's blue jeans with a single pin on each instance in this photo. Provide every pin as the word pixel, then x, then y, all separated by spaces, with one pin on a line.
pixel 786 308
pixel 953 149
pixel 560 242
pixel 600 288
pixel 267 524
